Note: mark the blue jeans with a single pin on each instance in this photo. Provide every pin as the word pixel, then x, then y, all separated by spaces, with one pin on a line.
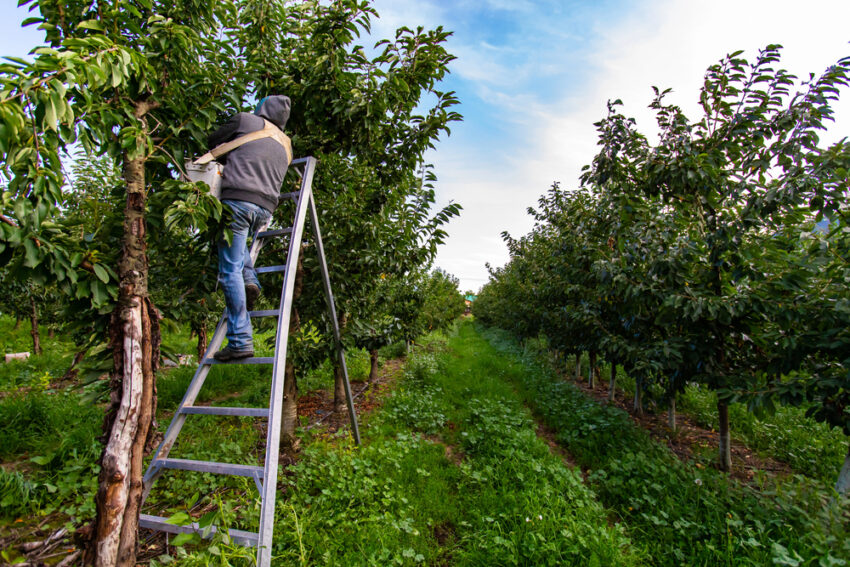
pixel 235 270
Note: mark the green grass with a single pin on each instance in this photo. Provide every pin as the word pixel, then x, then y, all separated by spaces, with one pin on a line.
pixel 450 472
pixel 50 441
pixel 680 514
pixel 37 371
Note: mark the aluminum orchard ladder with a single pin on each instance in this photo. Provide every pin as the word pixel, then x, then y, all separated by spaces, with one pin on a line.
pixel 265 477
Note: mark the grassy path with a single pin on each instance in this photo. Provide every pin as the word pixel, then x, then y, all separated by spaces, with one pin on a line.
pixel 451 473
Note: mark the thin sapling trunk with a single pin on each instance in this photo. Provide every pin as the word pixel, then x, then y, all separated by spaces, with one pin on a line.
pixel 613 383
pixel 339 385
pixel 289 420
pixel 373 367
pixel 842 486
pixel 591 367
pixel 201 332
pixel 638 402
pixel 671 413
pixel 36 338
pixel 725 457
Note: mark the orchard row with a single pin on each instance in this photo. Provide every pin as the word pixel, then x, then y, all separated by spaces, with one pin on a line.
pixel 718 255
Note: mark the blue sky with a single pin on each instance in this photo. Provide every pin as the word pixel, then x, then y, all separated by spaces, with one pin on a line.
pixel 533 76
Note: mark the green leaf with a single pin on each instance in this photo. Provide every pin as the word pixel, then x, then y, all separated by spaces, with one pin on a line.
pixel 101 273
pixel 90 25
pixel 183 539
pixel 31 253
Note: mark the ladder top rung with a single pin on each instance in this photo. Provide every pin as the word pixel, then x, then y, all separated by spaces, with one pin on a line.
pixel 268 269
pixel 240 537
pixel 218 410
pixel 249 360
pixel 288 196
pixel 275 232
pixel 210 467
pixel 266 313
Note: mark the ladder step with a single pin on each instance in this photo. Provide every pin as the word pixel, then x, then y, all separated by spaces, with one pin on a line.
pixel 250 360
pixel 210 410
pixel 210 467
pixel 266 313
pixel 276 232
pixel 288 196
pixel 269 269
pixel 240 537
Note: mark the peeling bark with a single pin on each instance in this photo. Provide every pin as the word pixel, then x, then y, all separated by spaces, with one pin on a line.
pixel 725 457
pixel 135 339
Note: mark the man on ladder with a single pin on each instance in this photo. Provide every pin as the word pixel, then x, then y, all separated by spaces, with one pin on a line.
pixel 251 182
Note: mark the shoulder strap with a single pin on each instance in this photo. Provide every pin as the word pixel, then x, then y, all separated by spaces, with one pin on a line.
pixel 268 131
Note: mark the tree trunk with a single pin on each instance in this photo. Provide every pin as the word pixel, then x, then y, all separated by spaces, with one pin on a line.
pixel 51 332
pixel 36 338
pixel 578 366
pixel 725 458
pixel 591 367
pixel 201 331
pixel 135 337
pixel 339 390
pixel 671 413
pixel 289 414
pixel 613 383
pixel 71 373
pixel 373 369
pixel 842 486
pixel 638 404
pixel 17 323
pixel 339 386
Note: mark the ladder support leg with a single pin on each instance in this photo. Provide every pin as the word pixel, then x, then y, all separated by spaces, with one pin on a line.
pixel 326 281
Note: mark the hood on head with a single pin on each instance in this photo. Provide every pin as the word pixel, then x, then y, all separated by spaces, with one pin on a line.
pixel 275 109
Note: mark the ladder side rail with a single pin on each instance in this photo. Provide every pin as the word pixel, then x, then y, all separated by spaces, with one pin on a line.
pixel 329 298
pixel 180 418
pixel 265 533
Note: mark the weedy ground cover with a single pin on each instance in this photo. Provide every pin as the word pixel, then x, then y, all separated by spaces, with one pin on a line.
pixel 450 472
pixel 681 514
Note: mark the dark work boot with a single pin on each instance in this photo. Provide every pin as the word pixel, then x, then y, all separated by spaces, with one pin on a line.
pixel 252 293
pixel 226 354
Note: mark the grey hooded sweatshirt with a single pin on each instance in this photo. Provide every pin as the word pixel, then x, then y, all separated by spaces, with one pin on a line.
pixel 254 171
